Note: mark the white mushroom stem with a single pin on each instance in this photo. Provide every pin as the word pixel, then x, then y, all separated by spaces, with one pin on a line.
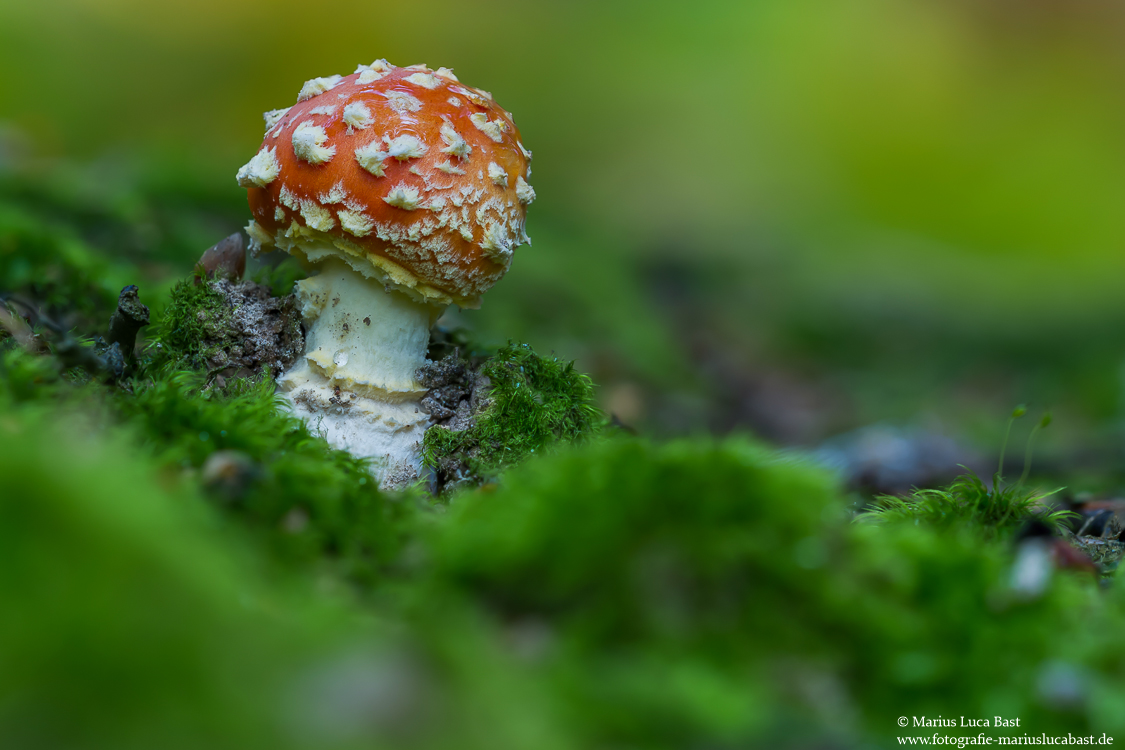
pixel 355 385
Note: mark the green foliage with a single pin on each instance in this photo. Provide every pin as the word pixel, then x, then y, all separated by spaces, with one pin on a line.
pixel 553 301
pixel 130 211
pixel 992 511
pixel 534 402
pixel 195 323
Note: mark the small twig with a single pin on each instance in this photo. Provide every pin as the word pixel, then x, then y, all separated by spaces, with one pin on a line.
pixel 129 318
pixel 71 352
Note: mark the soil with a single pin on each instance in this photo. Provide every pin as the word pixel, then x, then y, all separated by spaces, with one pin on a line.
pixel 457 393
pixel 266 330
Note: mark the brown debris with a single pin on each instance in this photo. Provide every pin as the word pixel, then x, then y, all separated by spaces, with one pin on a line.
pixel 1072 556
pixel 1106 554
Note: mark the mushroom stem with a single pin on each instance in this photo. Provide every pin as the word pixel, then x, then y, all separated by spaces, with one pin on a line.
pixel 356 384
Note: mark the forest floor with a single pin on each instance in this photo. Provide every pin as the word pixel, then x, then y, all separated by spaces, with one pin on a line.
pixel 699 552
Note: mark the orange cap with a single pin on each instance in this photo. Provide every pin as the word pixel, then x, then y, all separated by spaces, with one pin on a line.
pixel 409 176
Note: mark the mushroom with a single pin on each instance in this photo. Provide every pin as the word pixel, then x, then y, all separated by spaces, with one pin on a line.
pixel 404 191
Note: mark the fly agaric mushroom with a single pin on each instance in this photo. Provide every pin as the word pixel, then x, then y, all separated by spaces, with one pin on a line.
pixel 407 192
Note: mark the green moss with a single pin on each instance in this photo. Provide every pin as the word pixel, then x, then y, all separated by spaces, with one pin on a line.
pixel 610 319
pixel 533 403
pixel 195 323
pixel 619 593
pixel 313 502
pixel 119 596
pixel 26 377
pixel 991 511
pixel 710 594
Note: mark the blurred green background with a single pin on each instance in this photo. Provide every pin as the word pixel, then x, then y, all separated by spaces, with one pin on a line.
pixel 790 216
pixel 795 218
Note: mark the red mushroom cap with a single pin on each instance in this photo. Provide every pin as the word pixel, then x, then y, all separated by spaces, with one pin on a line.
pixel 409 176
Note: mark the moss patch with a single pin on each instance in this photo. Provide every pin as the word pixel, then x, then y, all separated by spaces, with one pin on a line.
pixel 196 325
pixel 263 465
pixel 995 511
pixel 531 403
pixel 710 594
pixel 237 329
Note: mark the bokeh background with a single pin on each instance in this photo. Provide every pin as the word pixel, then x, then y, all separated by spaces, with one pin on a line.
pixel 865 229
pixel 793 217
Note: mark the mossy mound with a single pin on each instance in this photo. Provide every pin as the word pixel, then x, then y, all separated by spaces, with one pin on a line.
pixel 232 328
pixel 514 404
pixel 310 501
pixel 711 594
pixel 127 610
